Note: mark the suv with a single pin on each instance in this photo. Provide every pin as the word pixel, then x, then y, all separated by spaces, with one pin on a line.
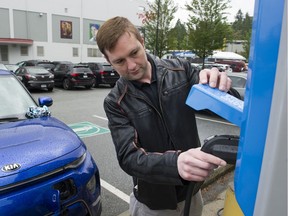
pixel 104 73
pixel 46 168
pixel 69 75
pixel 41 63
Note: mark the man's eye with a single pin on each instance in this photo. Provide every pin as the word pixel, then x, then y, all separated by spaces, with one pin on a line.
pixel 134 53
pixel 119 62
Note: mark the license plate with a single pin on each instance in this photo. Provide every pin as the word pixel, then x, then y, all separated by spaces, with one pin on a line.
pixel 85 76
pixel 112 74
pixel 43 86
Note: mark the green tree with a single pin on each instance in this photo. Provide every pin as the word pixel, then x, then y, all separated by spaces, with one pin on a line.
pixel 241 25
pixel 158 24
pixel 207 26
pixel 177 37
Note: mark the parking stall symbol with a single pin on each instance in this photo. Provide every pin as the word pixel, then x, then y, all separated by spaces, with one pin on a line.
pixel 87 129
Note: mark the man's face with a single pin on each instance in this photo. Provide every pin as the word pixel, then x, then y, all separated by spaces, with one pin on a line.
pixel 129 58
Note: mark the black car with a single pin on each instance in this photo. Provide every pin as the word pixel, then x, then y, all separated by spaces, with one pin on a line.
pixel 35 77
pixel 41 63
pixel 69 75
pixel 104 73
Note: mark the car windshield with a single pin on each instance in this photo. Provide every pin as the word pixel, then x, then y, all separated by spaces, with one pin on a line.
pixel 15 101
pixel 107 67
pixel 46 65
pixel 35 70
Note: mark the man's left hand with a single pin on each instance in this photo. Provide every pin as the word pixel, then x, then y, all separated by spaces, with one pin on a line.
pixel 215 79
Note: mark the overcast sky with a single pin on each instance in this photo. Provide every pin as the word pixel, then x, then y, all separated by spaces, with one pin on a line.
pixel 247 6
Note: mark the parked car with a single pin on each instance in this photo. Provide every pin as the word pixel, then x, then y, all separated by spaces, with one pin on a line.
pixel 35 77
pixel 12 67
pixel 42 63
pixel 46 168
pixel 239 82
pixel 104 73
pixel 69 75
pixel 236 65
pixel 221 67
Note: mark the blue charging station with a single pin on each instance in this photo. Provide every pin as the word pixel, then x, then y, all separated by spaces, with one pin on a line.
pixel 261 169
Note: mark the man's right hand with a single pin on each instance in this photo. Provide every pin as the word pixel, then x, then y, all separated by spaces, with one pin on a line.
pixel 196 165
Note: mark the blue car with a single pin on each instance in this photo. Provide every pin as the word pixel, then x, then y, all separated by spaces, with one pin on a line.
pixel 45 168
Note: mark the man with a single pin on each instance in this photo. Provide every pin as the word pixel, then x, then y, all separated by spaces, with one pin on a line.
pixel 153 130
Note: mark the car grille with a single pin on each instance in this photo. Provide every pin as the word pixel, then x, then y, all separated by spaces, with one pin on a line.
pixel 43 177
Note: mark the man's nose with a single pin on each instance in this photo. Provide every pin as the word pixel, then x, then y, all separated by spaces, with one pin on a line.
pixel 131 64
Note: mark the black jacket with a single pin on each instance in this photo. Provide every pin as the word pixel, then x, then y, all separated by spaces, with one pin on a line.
pixel 139 132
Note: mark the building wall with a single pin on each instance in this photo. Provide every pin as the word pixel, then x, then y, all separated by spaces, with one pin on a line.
pixel 30 19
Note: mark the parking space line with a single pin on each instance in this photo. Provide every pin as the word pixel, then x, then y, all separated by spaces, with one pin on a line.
pixel 100 117
pixel 115 191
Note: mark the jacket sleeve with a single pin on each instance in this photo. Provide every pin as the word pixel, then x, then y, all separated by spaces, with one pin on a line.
pixel 153 167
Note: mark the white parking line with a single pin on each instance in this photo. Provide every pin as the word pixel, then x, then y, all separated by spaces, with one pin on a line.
pixel 100 117
pixel 115 191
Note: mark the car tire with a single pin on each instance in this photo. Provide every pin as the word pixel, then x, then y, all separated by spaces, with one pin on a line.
pixel 88 86
pixel 50 89
pixel 66 84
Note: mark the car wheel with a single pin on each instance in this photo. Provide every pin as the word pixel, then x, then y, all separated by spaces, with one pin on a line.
pixel 66 84
pixel 50 89
pixel 88 86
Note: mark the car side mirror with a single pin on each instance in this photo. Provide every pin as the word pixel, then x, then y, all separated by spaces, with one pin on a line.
pixel 45 101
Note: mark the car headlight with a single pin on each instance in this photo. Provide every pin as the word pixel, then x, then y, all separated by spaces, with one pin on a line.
pixel 91 185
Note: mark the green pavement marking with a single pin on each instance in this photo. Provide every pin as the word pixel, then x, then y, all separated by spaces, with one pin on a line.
pixel 87 129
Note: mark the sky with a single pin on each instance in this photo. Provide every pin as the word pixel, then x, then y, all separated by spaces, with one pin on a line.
pixel 246 6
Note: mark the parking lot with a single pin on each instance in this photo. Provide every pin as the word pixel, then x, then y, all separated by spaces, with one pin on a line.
pixel 82 109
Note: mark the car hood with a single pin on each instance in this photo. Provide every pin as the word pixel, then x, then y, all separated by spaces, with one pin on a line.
pixel 32 147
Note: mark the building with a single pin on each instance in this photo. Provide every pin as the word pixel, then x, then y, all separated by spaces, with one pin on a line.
pixel 235 46
pixel 58 29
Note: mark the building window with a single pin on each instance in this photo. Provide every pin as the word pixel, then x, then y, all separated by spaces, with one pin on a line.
pixel 75 52
pixel 3 53
pixel 24 50
pixel 93 52
pixel 40 51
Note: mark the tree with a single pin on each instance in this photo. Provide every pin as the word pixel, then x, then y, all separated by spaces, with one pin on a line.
pixel 157 25
pixel 207 26
pixel 177 37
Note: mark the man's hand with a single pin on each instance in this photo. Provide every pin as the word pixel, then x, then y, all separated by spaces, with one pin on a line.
pixel 196 165
pixel 215 79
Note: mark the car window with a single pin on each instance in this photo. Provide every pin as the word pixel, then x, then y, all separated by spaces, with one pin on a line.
pixel 11 105
pixel 36 70
pixel 107 67
pixel 82 69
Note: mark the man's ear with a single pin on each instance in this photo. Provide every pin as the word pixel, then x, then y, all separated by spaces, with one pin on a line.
pixel 142 42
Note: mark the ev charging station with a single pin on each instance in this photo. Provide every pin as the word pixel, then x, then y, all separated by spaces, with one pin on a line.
pixel 260 178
